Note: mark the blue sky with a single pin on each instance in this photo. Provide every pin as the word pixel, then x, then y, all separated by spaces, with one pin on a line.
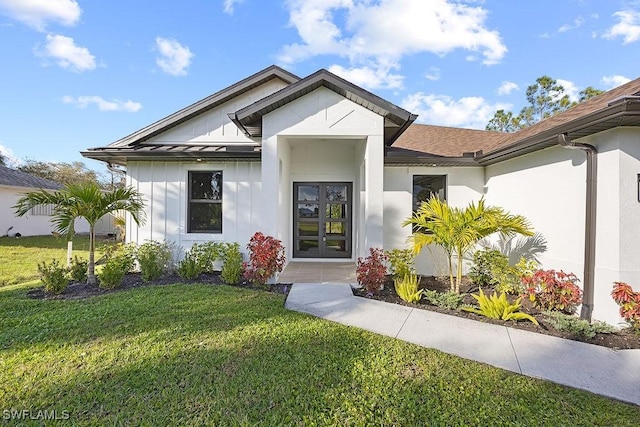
pixel 79 74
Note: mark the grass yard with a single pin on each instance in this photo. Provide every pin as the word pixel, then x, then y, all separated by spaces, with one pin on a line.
pixel 218 355
pixel 19 258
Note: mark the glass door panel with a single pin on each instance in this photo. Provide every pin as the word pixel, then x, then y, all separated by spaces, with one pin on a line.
pixel 322 220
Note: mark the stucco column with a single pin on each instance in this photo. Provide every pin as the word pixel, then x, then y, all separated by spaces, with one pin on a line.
pixel 270 185
pixel 373 203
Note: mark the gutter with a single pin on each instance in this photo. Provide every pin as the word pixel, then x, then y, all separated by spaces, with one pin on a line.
pixel 589 223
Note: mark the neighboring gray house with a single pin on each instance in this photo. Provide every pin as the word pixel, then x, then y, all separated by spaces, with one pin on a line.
pixel 13 185
pixel 332 170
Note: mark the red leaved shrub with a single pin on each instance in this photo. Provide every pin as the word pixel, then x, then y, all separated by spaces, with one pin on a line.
pixel 629 303
pixel 372 270
pixel 266 258
pixel 553 290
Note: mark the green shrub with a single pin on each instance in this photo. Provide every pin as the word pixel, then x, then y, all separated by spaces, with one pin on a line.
pixel 155 259
pixel 401 262
pixel 485 262
pixel 54 276
pixel 498 307
pixel 120 261
pixel 189 267
pixel 232 263
pixel 577 326
pixel 491 268
pixel 78 270
pixel 407 288
pixel 447 300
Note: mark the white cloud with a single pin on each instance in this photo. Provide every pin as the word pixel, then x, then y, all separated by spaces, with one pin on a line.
pixel 628 26
pixel 67 55
pixel 10 159
pixel 578 22
pixel 381 33
pixel 103 104
pixel 469 112
pixel 507 87
pixel 229 5
pixel 37 13
pixel 433 74
pixel 614 81
pixel 570 89
pixel 369 77
pixel 174 58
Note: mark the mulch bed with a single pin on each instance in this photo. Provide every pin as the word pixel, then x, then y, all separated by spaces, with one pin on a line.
pixel 134 280
pixel 623 339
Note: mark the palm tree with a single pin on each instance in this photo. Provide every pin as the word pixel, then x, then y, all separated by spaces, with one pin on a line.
pixel 84 200
pixel 459 230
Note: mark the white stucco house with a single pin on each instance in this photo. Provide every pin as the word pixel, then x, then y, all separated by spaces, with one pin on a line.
pixel 37 222
pixel 13 185
pixel 332 170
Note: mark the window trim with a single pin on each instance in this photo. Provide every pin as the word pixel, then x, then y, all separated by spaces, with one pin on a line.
pixel 204 201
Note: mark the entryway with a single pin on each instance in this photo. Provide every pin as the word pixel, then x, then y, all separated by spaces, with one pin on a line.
pixel 318 272
pixel 322 219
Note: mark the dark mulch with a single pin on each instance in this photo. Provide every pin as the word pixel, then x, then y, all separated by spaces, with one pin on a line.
pixel 134 280
pixel 623 339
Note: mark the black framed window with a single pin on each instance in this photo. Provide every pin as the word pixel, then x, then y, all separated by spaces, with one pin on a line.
pixel 426 186
pixel 204 209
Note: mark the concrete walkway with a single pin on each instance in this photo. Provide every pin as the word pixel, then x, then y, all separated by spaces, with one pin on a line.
pixel 611 373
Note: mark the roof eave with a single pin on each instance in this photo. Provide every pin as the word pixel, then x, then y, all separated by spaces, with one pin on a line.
pixel 248 117
pixel 580 127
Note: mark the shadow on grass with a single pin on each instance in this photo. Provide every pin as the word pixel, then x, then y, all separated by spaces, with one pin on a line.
pixel 302 371
pixel 187 308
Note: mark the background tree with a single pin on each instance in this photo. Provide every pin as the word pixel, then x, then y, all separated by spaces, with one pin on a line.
pixel 589 93
pixel 84 200
pixel 546 97
pixel 70 173
pixel 504 121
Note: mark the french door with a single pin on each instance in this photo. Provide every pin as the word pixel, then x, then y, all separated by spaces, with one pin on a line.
pixel 322 219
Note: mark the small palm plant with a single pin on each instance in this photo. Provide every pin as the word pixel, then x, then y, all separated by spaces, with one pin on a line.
pixel 84 200
pixel 498 307
pixel 458 230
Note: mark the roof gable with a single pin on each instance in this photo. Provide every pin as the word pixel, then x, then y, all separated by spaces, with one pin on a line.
pixel 249 118
pixel 218 98
pixel 16 178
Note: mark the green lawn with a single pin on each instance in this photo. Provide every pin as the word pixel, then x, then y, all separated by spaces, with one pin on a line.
pixel 19 258
pixel 218 355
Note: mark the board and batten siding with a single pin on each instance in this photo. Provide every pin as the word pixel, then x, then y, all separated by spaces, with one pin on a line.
pixel 164 187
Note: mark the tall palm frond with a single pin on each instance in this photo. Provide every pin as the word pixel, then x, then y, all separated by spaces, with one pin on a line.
pixel 84 200
pixel 459 230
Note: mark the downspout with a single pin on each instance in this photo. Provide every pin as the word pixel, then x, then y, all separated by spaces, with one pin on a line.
pixel 589 223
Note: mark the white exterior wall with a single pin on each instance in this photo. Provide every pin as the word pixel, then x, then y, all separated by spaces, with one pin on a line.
pixel 164 186
pixel 548 187
pixel 464 184
pixel 323 137
pixel 27 225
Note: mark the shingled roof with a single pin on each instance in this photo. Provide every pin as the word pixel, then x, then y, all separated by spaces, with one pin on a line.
pixel 446 145
pixel 16 178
